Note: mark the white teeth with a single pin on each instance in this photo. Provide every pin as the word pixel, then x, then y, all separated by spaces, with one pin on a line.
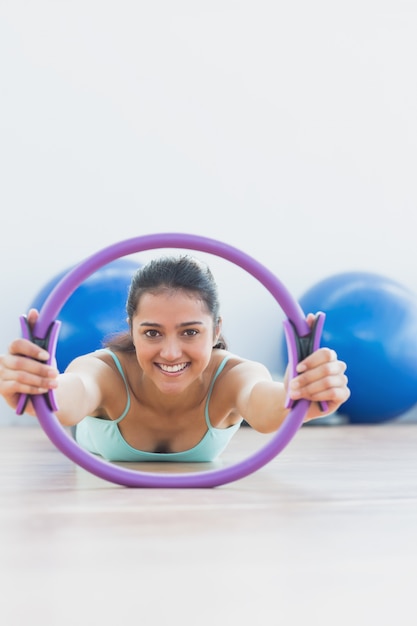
pixel 173 368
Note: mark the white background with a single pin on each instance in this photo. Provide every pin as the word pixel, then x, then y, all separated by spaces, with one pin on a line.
pixel 286 129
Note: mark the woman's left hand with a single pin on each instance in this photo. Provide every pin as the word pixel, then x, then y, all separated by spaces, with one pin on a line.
pixel 321 378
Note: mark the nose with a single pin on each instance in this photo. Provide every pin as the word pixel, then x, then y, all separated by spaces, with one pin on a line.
pixel 171 349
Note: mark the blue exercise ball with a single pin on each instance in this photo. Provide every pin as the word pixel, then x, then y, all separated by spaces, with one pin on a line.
pixel 371 322
pixel 93 312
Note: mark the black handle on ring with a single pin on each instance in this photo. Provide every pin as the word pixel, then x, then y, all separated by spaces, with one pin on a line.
pixel 47 343
pixel 301 346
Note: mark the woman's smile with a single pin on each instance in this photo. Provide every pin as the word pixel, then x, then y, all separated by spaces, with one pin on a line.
pixel 171 370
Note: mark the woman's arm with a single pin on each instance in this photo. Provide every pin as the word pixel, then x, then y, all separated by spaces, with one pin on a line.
pixel 261 401
pixel 79 390
pixel 258 399
pixel 23 370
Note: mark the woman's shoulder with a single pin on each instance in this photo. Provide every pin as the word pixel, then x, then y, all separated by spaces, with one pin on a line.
pixel 118 362
pixel 101 362
pixel 237 366
pixel 238 376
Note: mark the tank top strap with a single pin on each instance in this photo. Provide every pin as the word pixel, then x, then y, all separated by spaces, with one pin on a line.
pixel 216 375
pixel 122 374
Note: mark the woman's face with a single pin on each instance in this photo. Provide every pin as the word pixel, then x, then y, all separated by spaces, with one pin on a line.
pixel 174 334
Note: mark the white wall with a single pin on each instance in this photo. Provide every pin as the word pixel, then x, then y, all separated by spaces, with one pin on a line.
pixel 286 129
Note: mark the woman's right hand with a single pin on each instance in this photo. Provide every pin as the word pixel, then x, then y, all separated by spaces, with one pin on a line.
pixel 23 370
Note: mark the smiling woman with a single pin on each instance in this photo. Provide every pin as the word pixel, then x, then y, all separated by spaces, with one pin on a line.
pixel 168 389
pixel 173 354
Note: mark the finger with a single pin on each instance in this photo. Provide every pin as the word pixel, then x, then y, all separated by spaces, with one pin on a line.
pixel 32 316
pixel 24 381
pixel 310 319
pixel 334 396
pixel 15 388
pixel 20 367
pixel 317 358
pixel 339 396
pixel 323 389
pixel 27 348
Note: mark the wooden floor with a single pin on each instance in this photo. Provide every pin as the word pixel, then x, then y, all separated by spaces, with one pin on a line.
pixel 325 534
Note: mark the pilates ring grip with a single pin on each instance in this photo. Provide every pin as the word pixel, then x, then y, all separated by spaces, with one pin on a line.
pixel 301 340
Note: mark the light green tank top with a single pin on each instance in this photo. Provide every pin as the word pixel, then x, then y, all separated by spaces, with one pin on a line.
pixel 103 437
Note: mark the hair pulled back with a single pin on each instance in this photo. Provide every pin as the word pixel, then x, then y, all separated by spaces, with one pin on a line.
pixel 169 273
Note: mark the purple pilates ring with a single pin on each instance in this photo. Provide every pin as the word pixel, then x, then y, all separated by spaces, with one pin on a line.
pixel 295 327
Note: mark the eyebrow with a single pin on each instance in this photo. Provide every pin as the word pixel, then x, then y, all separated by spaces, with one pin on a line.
pixel 156 325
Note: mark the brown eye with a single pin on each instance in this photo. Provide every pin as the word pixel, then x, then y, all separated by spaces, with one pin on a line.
pixel 152 333
pixel 191 332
